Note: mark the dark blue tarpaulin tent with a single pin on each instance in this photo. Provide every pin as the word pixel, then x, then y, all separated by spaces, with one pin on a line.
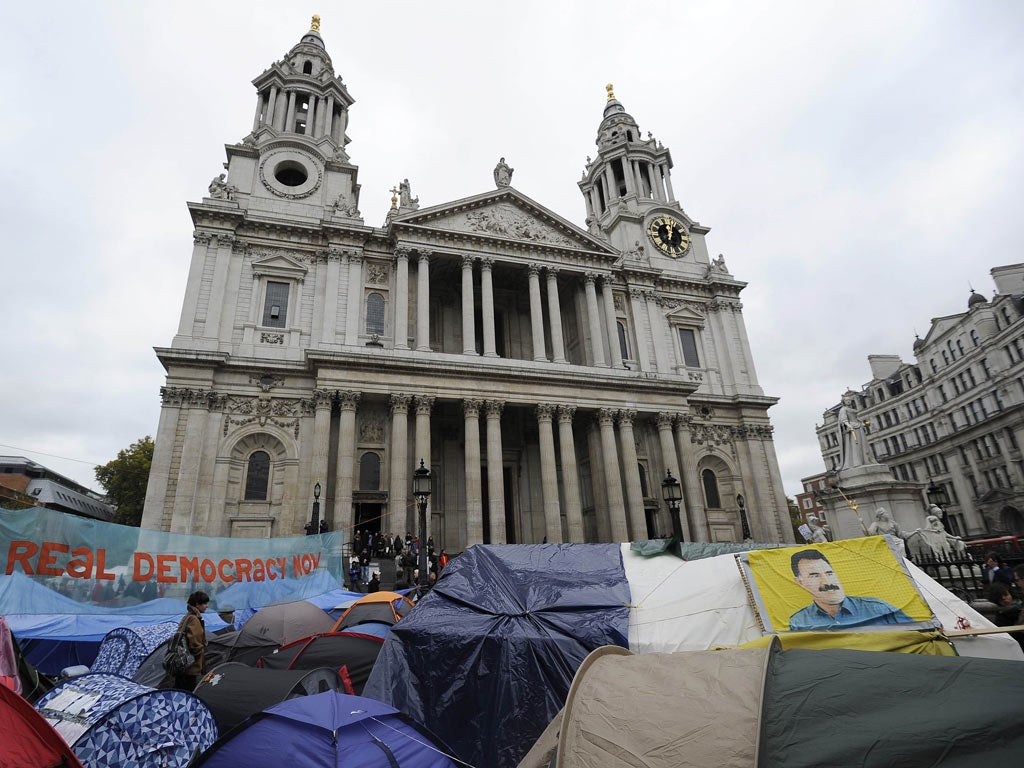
pixel 327 729
pixel 487 659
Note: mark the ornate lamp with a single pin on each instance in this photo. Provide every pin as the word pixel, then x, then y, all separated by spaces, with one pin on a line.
pixel 672 493
pixel 421 490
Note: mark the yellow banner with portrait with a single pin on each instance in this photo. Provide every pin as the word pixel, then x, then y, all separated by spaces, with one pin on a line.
pixel 850 585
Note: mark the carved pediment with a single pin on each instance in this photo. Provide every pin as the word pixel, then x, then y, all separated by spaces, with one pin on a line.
pixel 687 313
pixel 278 265
pixel 507 215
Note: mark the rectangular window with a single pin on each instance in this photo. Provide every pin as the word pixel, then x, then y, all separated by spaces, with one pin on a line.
pixel 275 308
pixel 688 339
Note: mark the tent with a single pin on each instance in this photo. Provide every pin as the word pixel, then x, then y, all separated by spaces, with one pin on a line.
pixel 282 623
pixel 124 649
pixel 351 654
pixel 29 741
pixel 746 708
pixel 328 729
pixel 386 607
pixel 234 691
pixel 488 660
pixel 490 653
pixel 109 720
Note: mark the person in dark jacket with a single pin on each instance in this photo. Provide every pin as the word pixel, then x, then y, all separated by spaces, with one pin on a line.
pixel 374 584
pixel 996 571
pixel 195 635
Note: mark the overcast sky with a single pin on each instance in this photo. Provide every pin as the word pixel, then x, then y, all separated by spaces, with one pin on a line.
pixel 860 166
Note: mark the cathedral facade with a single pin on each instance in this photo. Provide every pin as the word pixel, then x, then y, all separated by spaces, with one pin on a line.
pixel 548 375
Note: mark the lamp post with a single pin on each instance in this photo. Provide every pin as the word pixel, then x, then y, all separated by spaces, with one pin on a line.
pixel 314 522
pixel 421 490
pixel 741 504
pixel 672 493
pixel 938 497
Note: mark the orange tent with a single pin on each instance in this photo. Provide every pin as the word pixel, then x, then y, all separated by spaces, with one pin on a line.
pixel 385 607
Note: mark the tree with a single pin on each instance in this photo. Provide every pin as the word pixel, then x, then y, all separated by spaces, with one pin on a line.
pixel 125 480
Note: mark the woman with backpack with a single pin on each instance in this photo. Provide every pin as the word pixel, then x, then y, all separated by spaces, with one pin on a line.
pixel 194 629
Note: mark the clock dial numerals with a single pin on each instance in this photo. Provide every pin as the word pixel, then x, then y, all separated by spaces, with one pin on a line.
pixel 669 236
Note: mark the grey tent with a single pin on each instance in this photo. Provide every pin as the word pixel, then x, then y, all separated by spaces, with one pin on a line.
pixel 761 707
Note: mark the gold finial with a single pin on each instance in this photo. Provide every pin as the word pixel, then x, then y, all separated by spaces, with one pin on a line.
pixel 394 197
pixel 611 93
pixel 315 25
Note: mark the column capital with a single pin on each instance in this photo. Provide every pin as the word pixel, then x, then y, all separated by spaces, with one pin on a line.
pixel 486 263
pixel 349 400
pixel 424 404
pixel 626 418
pixel 552 272
pixel 606 416
pixel 424 254
pixel 566 413
pixel 494 408
pixel 590 277
pixel 354 257
pixel 467 261
pixel 665 419
pixel 471 407
pixel 683 421
pixel 323 398
pixel 545 411
pixel 534 269
pixel 402 252
pixel 605 278
pixel 636 293
pixel 399 403
pixel 201 237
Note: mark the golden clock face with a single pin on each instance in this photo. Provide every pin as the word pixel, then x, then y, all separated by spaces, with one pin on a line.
pixel 669 235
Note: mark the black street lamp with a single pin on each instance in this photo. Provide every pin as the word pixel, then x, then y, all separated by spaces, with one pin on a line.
pixel 741 503
pixel 421 490
pixel 938 497
pixel 314 522
pixel 672 493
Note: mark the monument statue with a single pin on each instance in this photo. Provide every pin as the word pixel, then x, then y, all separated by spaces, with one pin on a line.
pixel 884 524
pixel 221 190
pixel 933 539
pixel 502 173
pixel 851 436
pixel 405 198
pixel 818 534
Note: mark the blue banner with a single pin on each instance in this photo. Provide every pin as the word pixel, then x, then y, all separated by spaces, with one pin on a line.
pixel 84 564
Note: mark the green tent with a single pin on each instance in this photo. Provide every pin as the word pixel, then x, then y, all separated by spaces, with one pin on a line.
pixel 761 707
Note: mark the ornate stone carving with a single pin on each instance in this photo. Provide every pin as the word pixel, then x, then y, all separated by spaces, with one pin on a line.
pixel 507 221
pixel 566 414
pixel 201 237
pixel 494 408
pixel 626 417
pixel 281 412
pixel 534 269
pixel 424 254
pixel 377 274
pixel 424 404
pixel 486 263
pixel 266 381
pixel 400 403
pixel 220 189
pixel 371 428
pixel 467 261
pixel 665 418
pixel 348 400
pixel 323 398
pixel 606 416
pixel 271 338
pixel 545 411
pixel 344 205
pixel 402 252
pixel 619 302
pixel 471 407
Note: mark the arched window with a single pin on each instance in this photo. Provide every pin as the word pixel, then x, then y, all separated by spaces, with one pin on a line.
pixel 623 346
pixel 375 314
pixel 974 338
pixel 711 489
pixel 257 477
pixel 369 472
pixel 307 68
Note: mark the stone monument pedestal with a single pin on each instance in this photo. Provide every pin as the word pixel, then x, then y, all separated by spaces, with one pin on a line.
pixel 869 487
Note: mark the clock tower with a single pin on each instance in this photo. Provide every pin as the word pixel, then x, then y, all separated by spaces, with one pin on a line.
pixel 629 197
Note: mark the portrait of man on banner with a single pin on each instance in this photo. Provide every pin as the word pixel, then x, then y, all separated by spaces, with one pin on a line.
pixel 850 585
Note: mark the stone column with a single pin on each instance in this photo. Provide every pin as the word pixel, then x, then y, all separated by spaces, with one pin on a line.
pixel 355 297
pixel 271 108
pixel 693 497
pixel 332 283
pixel 345 470
pixel 474 503
pixel 613 328
pixel 549 475
pixel 423 302
pixel 322 400
pixel 424 404
pixel 570 474
pixel 289 118
pixel 613 480
pixel 631 466
pixel 259 112
pixel 190 307
pixel 657 189
pixel 222 265
pixel 610 185
pixel 639 308
pixel 487 305
pixel 599 488
pixel 157 512
pixel 658 333
pixel 329 117
pixel 468 308
pixel 536 315
pixel 596 341
pixel 197 403
pixel 555 317
pixel 721 345
pixel 397 500
pixel 311 116
pixel 668 184
pixel 495 473
pixel 401 298
pixel 668 448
